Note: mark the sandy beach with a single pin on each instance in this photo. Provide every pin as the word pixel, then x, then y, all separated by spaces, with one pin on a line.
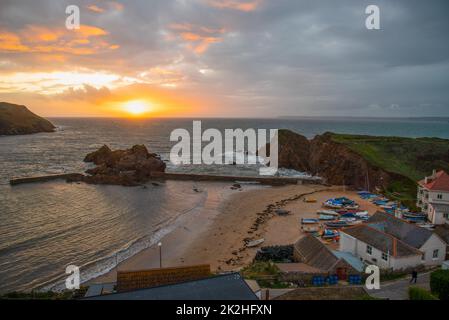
pixel 216 233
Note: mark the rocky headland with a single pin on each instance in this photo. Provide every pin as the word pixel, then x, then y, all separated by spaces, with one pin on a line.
pixel 390 164
pixel 16 119
pixel 128 167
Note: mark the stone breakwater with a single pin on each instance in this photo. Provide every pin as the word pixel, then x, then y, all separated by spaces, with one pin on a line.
pixel 78 177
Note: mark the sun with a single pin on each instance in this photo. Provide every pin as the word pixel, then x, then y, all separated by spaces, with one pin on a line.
pixel 137 107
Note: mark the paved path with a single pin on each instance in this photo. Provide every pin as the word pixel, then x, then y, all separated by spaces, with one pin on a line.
pixel 398 289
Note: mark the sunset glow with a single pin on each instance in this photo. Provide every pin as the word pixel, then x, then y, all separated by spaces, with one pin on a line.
pixel 137 107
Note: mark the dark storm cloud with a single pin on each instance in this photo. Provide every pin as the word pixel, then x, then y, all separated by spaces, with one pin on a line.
pixel 278 58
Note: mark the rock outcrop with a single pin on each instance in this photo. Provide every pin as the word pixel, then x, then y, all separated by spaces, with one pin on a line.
pixel 122 167
pixel 333 161
pixel 16 119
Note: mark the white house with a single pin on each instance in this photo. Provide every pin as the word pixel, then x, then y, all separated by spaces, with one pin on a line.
pixel 433 197
pixel 392 243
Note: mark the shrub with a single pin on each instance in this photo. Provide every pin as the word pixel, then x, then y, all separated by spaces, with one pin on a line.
pixel 259 269
pixel 439 284
pixel 417 293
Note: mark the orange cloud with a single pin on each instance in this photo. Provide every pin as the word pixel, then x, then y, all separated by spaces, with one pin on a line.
pixel 245 6
pixel 95 8
pixel 87 40
pixel 11 42
pixel 198 38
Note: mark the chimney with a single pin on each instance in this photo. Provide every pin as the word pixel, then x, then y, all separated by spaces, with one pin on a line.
pixel 434 174
pixel 425 180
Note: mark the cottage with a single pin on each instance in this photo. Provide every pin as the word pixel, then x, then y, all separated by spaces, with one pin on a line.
pixel 375 247
pixel 392 243
pixel 433 197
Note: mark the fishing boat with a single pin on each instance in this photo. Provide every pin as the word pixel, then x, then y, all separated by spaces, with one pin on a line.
pixel 255 243
pixel 309 221
pixel 326 217
pixel 414 215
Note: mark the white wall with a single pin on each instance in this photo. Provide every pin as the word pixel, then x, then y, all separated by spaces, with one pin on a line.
pixel 433 243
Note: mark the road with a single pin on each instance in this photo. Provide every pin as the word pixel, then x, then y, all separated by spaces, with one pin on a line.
pixel 398 289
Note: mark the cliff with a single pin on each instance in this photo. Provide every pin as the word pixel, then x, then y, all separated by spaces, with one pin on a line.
pixel 392 164
pixel 16 119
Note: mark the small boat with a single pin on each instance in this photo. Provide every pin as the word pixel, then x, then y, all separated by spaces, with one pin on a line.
pixel 255 243
pixel 310 200
pixel 333 205
pixel 282 212
pixel 337 224
pixel 309 221
pixel 310 228
pixel 330 234
pixel 326 217
pixel 361 214
pixel 410 215
pixel 328 212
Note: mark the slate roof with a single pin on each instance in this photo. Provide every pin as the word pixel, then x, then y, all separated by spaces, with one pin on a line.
pixel 222 287
pixel 410 234
pixel 381 240
pixel 443 232
pixel 439 183
pixel 314 253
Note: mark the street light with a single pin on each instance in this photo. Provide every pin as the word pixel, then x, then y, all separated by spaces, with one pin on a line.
pixel 160 254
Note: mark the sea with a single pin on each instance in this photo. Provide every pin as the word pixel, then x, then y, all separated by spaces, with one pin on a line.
pixel 44 227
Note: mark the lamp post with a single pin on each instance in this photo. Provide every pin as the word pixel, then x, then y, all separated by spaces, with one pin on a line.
pixel 160 254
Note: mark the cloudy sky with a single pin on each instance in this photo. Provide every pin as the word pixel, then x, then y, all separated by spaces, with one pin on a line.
pixel 229 58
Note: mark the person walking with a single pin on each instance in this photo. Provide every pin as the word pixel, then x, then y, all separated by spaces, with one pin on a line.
pixel 414 276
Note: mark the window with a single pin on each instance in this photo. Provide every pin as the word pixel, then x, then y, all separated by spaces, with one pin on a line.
pixel 439 196
pixel 369 250
pixel 384 256
pixel 446 216
pixel 435 254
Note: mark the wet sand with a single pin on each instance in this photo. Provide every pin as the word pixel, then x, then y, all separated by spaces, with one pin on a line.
pixel 216 233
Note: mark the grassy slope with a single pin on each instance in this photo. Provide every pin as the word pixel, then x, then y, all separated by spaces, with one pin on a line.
pixel 411 158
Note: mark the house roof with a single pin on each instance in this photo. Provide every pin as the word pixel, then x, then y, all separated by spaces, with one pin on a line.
pixel 409 233
pixel 439 183
pixel 355 262
pixel 443 232
pixel 381 240
pixel 222 287
pixel 314 253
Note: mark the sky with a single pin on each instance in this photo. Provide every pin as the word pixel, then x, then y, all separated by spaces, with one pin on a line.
pixel 228 58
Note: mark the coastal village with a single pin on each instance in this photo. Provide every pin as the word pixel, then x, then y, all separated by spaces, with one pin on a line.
pixel 335 240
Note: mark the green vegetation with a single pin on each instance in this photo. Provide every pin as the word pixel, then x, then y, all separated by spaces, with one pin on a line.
pixel 439 284
pixel 266 273
pixel 259 269
pixel 411 159
pixel 417 293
